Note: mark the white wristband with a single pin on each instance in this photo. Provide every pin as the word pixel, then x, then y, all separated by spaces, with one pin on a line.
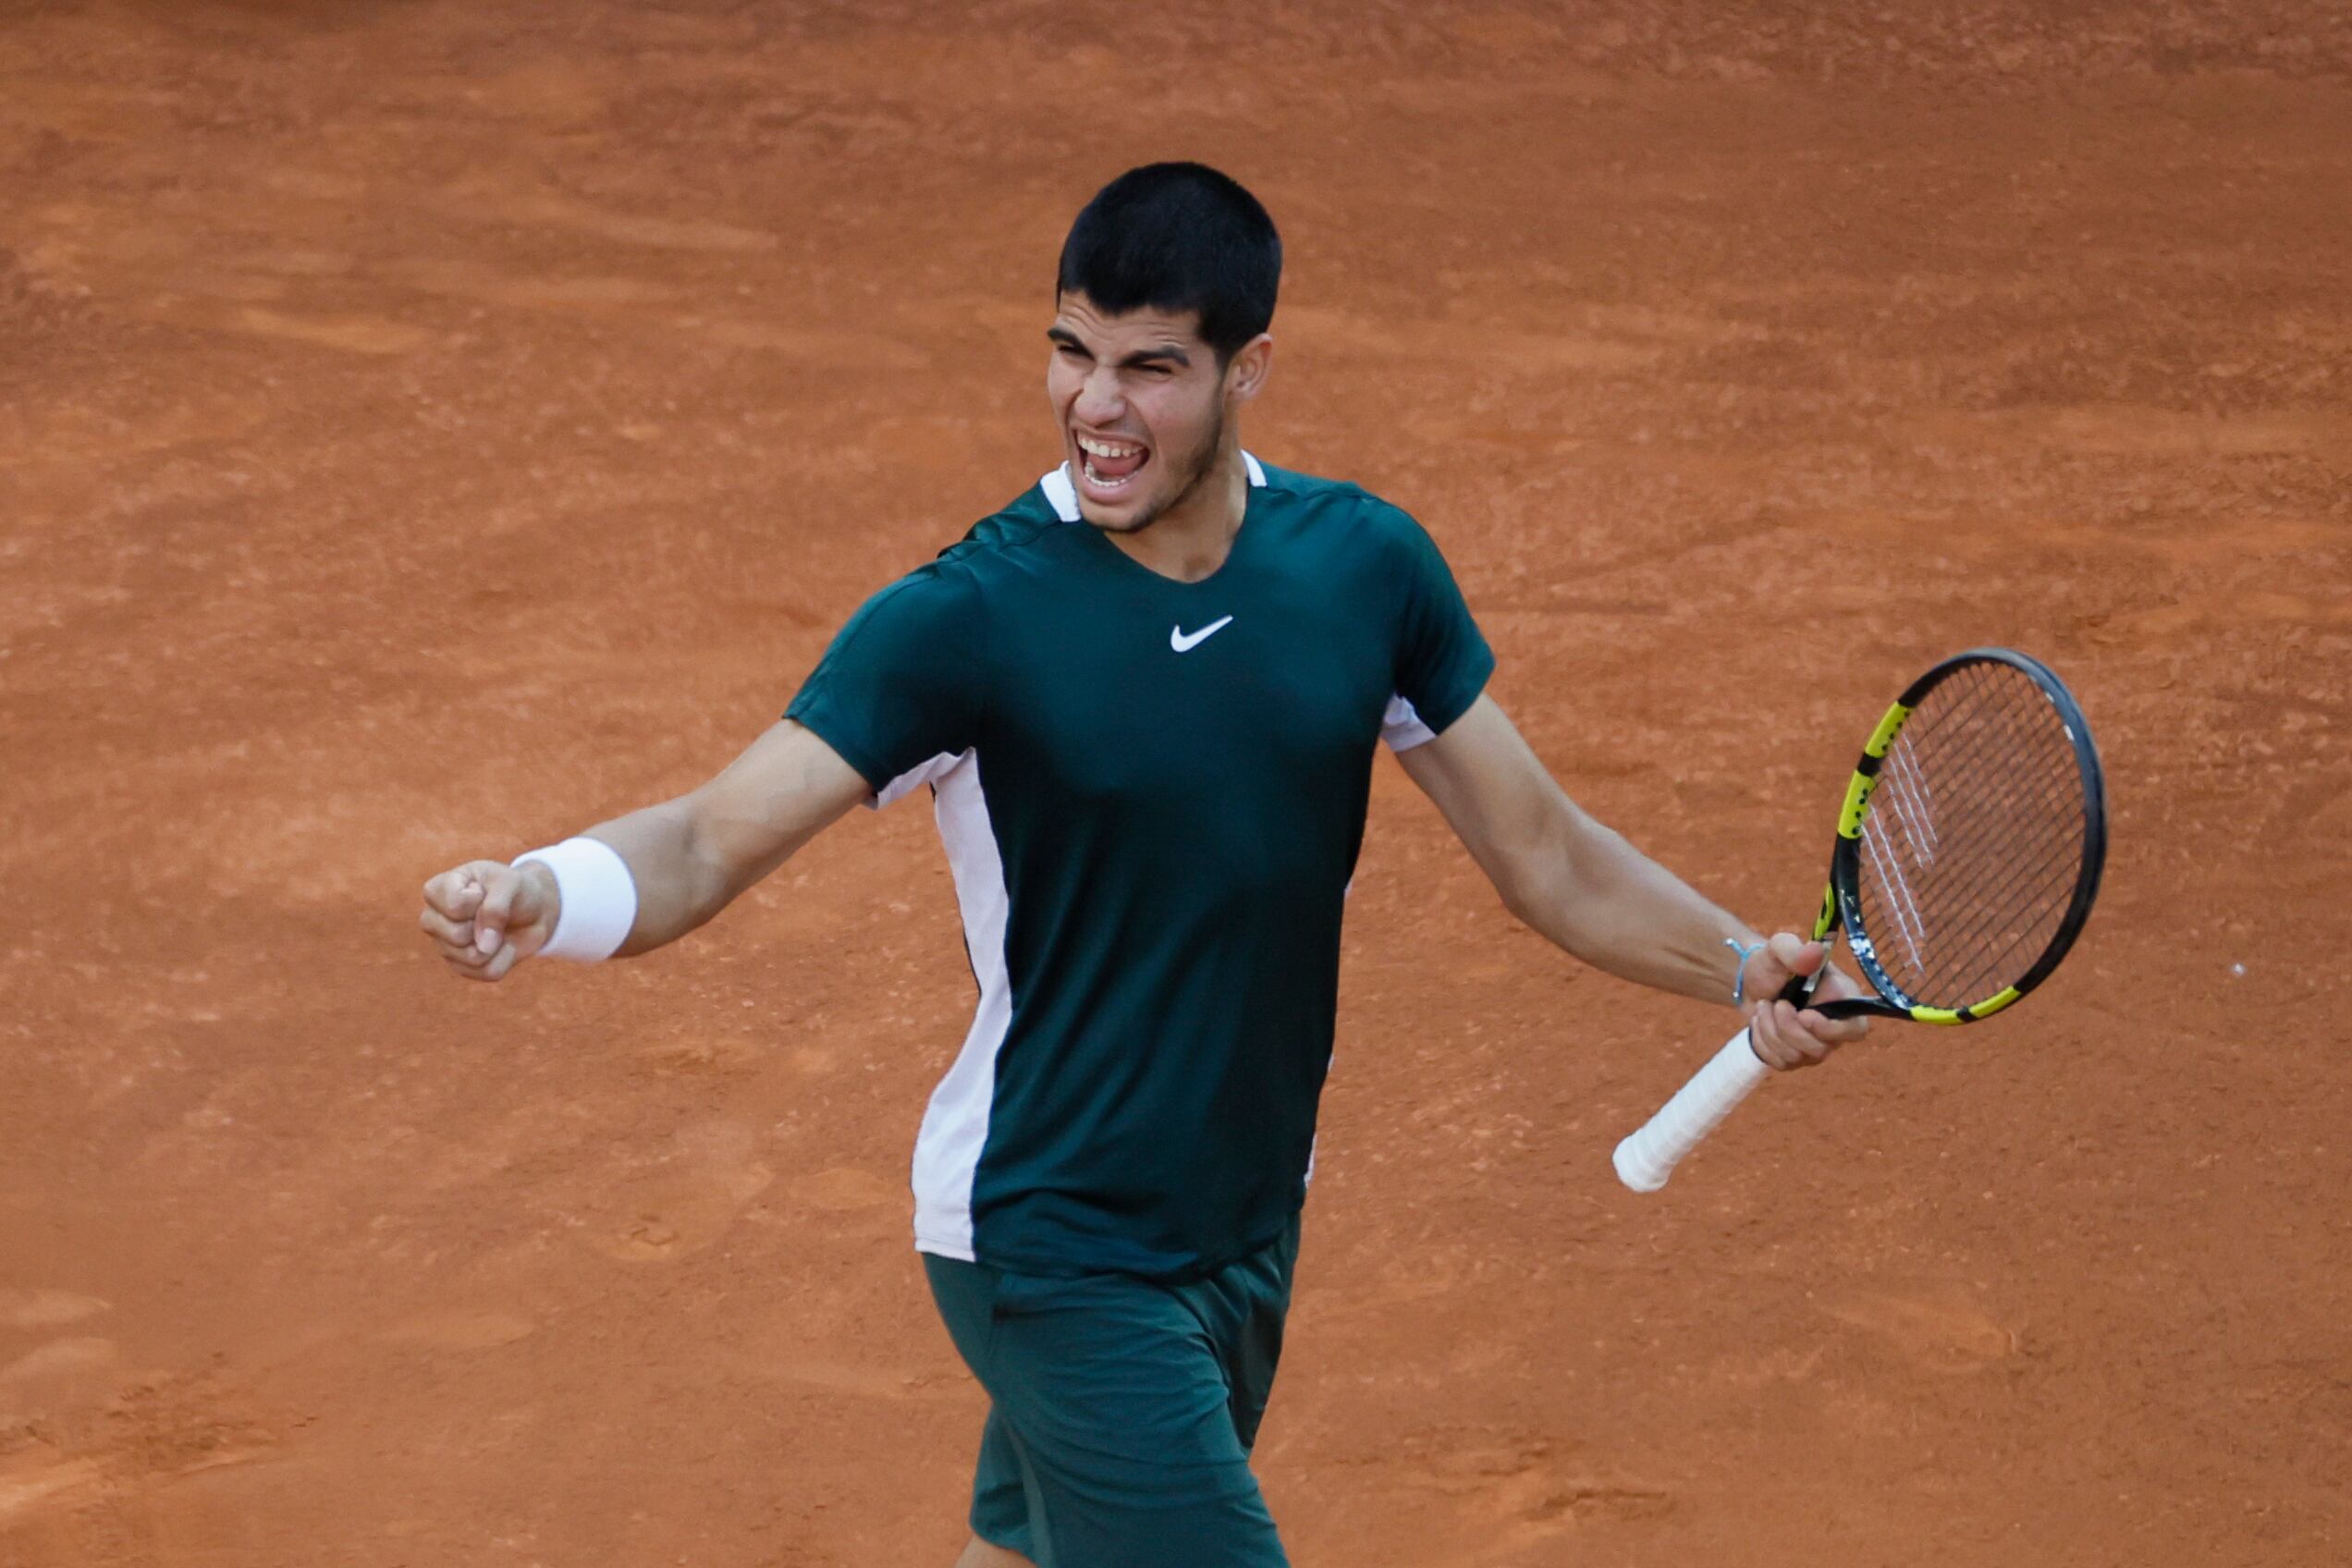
pixel 600 899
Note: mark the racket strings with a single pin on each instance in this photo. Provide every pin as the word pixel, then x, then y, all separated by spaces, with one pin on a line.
pixel 1887 864
pixel 1999 799
pixel 1975 839
pixel 2023 839
pixel 1996 796
pixel 2004 963
pixel 2019 838
pixel 2028 789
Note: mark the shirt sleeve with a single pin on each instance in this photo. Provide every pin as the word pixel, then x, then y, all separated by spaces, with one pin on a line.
pixel 901 684
pixel 1443 660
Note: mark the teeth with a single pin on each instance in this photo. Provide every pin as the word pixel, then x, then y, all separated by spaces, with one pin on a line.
pixel 1105 448
pixel 1099 482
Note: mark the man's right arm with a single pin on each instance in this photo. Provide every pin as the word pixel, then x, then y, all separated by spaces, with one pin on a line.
pixel 689 858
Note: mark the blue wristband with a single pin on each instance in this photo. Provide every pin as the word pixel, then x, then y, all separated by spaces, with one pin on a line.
pixel 1739 980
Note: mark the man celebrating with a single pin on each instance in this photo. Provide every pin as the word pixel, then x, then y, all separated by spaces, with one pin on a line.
pixel 1147 697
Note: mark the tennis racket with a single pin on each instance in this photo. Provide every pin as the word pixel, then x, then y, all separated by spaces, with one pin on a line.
pixel 1968 851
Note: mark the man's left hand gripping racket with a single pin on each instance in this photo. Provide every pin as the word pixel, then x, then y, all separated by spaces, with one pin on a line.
pixel 1967 856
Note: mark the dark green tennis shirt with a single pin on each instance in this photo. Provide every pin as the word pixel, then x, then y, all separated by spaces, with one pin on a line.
pixel 1152 794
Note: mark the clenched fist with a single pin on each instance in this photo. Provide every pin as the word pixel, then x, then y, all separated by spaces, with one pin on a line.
pixel 486 917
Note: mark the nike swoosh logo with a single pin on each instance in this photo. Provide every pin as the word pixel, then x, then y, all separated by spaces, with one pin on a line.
pixel 1185 642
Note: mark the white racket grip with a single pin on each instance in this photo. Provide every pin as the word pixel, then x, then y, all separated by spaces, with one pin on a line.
pixel 1647 1157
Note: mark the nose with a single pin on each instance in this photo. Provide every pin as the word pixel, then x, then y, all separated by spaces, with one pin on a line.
pixel 1100 403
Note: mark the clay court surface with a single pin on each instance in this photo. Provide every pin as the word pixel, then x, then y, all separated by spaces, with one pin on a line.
pixel 428 429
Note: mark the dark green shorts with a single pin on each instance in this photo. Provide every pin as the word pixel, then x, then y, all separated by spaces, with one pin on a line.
pixel 1122 1411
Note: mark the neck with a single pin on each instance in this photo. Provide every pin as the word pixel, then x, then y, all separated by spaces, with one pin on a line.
pixel 1191 539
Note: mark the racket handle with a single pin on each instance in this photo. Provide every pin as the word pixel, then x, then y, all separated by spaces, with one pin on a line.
pixel 1647 1157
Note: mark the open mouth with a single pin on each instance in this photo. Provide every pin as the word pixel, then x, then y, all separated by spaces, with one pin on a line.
pixel 1109 467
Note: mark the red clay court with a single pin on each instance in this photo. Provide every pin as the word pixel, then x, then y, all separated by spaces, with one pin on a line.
pixel 426 429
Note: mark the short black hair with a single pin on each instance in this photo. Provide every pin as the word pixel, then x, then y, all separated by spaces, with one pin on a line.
pixel 1178 237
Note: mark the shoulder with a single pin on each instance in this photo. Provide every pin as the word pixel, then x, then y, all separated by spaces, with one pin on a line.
pixel 1022 525
pixel 1337 500
pixel 1375 528
pixel 956 582
pixel 1309 490
pixel 952 586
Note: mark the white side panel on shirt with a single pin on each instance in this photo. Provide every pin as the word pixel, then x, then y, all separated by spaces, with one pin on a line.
pixel 915 779
pixel 955 1125
pixel 1401 728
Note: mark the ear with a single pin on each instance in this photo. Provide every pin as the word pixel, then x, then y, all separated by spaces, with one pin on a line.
pixel 1245 373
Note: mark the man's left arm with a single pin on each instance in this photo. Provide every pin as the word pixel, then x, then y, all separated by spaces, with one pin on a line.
pixel 1597 898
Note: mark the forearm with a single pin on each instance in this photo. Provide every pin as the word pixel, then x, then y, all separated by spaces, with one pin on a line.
pixel 692 856
pixel 680 882
pixel 641 881
pixel 1589 891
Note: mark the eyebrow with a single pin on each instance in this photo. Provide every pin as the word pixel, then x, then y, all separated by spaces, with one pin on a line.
pixel 1068 340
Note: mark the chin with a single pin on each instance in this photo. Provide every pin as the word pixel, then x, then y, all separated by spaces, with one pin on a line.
pixel 1133 518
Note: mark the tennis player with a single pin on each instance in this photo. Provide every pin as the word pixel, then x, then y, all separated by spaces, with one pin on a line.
pixel 1146 698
